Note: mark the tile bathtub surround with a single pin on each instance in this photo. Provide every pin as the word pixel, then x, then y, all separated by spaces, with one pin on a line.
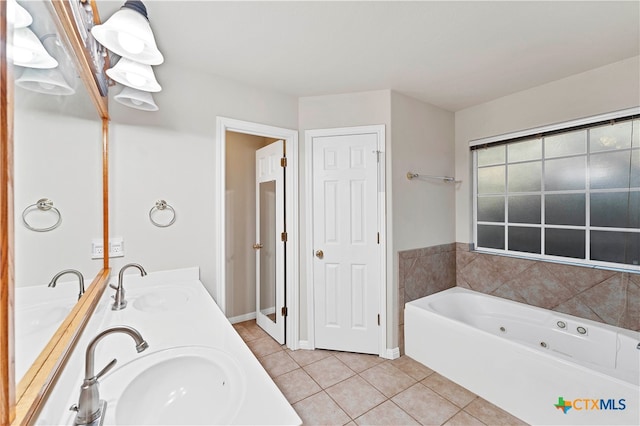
pixel 422 272
pixel 427 270
pixel 605 296
pixel 338 388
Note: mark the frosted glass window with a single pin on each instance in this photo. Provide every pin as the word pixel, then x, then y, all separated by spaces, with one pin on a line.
pixel 565 209
pixel 525 151
pixel 619 169
pixel 572 194
pixel 616 247
pixel 524 239
pixel 492 155
pixel 608 137
pixel 490 236
pixel 616 209
pixel 565 174
pixel 572 143
pixel 525 177
pixel 491 209
pixel 524 209
pixel 564 242
pixel 491 180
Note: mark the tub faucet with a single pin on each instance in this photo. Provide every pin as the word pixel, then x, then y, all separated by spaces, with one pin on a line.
pixel 89 407
pixel 54 280
pixel 120 302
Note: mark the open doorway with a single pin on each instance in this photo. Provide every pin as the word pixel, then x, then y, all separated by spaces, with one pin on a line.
pixel 246 202
pixel 240 229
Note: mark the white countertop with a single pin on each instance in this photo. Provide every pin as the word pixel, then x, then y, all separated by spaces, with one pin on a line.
pixel 193 319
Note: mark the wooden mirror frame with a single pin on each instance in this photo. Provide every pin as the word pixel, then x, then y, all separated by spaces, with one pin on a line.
pixel 20 405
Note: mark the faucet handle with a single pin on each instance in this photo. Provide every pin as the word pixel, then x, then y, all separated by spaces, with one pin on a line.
pixel 106 369
pixel 115 287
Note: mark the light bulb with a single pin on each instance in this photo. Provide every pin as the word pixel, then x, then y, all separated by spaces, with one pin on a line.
pixel 130 43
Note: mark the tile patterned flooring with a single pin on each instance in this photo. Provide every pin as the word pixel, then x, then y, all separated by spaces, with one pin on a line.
pixel 340 388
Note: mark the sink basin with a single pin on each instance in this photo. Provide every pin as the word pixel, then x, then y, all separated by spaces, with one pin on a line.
pixel 183 385
pixel 33 319
pixel 162 299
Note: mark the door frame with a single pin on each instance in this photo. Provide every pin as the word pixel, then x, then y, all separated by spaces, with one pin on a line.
pixel 224 124
pixel 379 130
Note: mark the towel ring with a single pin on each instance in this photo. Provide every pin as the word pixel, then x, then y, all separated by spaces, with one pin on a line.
pixel 162 205
pixel 43 204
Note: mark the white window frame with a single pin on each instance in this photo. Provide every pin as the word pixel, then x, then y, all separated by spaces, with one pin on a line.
pixel 542 226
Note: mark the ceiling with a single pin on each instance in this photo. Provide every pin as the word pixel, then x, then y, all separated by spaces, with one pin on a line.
pixel 450 54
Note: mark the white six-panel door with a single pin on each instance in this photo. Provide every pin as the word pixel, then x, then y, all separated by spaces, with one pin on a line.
pixel 346 273
pixel 269 247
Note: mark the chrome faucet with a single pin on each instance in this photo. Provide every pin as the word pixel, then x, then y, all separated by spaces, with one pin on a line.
pixel 89 407
pixel 54 280
pixel 120 302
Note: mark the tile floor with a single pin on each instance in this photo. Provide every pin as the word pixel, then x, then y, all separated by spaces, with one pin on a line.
pixel 340 388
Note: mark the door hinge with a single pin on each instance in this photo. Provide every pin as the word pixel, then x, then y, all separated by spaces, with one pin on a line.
pixel 283 237
pixel 283 162
pixel 285 311
pixel 378 238
pixel 378 319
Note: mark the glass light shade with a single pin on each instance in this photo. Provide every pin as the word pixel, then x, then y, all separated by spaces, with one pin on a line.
pixel 134 74
pixel 21 17
pixel 136 99
pixel 29 52
pixel 127 33
pixel 48 81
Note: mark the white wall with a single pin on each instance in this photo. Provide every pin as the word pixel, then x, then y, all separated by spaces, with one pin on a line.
pixel 423 210
pixel 609 88
pixel 170 156
pixel 190 101
pixel 57 157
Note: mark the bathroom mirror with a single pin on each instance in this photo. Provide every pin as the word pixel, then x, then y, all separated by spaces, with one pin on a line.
pixel 57 156
pixel 57 145
pixel 267 254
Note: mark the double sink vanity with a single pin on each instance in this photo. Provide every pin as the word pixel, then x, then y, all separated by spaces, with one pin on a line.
pixel 179 361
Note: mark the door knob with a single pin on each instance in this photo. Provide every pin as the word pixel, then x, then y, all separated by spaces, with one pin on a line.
pixel 257 246
pixel 319 254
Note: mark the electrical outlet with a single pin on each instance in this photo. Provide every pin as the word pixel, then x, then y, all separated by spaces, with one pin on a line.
pixel 97 248
pixel 116 247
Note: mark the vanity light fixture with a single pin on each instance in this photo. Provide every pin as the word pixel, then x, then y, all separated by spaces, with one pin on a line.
pixel 28 51
pixel 127 33
pixel 21 17
pixel 136 99
pixel 134 74
pixel 52 81
pixel 47 81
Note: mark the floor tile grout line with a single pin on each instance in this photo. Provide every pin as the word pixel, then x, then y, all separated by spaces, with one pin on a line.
pixel 469 414
pixel 359 374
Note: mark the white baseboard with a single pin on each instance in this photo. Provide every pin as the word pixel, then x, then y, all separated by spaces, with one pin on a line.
pixel 241 318
pixel 305 344
pixel 392 353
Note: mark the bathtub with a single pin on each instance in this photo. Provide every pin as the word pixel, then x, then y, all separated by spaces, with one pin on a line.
pixel 543 367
